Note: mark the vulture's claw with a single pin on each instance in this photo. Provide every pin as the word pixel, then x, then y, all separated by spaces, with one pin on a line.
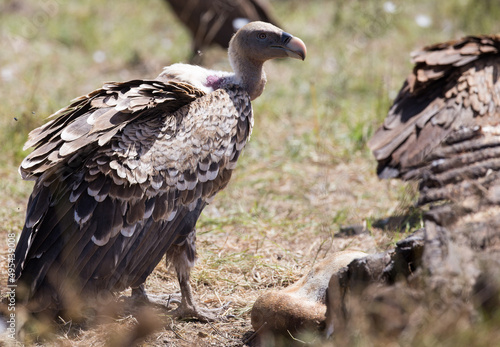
pixel 186 308
pixel 186 311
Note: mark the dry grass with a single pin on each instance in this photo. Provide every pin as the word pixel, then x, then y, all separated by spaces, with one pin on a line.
pixel 306 172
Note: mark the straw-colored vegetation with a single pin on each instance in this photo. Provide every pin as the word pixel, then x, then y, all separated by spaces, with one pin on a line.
pixel 306 172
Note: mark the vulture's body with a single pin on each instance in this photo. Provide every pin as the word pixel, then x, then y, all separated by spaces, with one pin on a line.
pixel 123 173
pixel 215 21
pixel 443 128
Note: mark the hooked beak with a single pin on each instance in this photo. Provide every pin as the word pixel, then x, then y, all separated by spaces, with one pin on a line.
pixel 293 46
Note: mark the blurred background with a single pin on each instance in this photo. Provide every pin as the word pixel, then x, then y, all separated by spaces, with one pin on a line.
pixel 306 178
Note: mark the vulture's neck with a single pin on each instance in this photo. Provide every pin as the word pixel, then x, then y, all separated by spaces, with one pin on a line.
pixel 248 73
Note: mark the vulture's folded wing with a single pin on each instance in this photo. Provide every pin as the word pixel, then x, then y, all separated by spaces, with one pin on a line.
pixel 93 119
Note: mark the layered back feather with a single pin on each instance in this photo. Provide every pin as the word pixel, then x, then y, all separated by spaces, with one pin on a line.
pixel 443 127
pixel 122 174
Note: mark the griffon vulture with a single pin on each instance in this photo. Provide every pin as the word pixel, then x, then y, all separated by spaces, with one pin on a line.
pixel 123 173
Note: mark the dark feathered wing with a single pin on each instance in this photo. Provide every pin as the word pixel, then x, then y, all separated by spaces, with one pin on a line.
pixel 451 86
pixel 442 127
pixel 212 21
pixel 121 175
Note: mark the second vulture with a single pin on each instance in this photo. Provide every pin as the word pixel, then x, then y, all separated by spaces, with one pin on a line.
pixel 443 128
pixel 215 21
pixel 123 173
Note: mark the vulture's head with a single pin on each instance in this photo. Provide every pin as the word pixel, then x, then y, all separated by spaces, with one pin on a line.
pixel 260 41
pixel 256 43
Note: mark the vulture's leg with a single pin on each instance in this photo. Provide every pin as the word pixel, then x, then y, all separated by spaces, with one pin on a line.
pixel 182 256
pixel 188 307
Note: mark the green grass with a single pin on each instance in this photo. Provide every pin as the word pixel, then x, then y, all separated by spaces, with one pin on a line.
pixel 306 172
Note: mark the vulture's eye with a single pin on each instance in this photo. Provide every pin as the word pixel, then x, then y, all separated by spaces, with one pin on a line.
pixel 262 36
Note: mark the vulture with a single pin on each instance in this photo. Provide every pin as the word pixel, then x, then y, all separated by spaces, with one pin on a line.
pixel 444 126
pixel 443 131
pixel 215 21
pixel 123 173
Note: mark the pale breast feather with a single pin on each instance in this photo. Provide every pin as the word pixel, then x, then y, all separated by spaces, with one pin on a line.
pixel 190 147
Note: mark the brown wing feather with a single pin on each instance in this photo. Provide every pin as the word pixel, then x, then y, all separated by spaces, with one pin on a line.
pixel 98 116
pixel 104 215
pixel 453 85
